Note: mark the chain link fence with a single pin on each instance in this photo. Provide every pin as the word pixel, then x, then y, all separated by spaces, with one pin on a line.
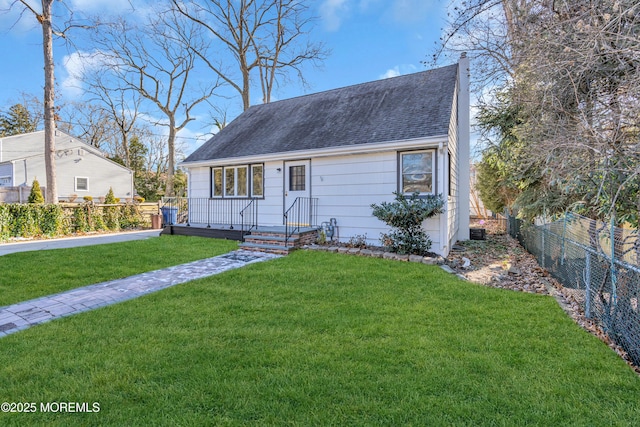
pixel 598 264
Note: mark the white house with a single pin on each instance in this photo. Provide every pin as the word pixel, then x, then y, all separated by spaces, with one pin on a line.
pixel 343 150
pixel 81 169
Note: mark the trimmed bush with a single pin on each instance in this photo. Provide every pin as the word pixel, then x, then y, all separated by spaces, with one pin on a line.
pixel 51 220
pixel 405 216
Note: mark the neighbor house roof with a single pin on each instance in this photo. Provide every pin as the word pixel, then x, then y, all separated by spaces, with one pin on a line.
pixel 394 109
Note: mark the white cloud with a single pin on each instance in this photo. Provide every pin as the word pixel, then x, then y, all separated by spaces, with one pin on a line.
pixel 393 72
pixel 333 12
pixel 412 10
pixel 74 66
pixel 399 70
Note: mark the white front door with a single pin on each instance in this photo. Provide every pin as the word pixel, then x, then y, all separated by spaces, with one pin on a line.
pixel 297 183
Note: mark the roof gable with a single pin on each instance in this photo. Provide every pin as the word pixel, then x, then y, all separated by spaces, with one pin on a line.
pixel 26 145
pixel 396 109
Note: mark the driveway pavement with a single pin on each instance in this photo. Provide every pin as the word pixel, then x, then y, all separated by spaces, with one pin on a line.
pixel 71 242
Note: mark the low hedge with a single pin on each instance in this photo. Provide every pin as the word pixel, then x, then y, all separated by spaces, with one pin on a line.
pixel 50 220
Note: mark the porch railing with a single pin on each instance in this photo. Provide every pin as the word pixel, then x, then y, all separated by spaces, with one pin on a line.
pixel 302 213
pixel 229 213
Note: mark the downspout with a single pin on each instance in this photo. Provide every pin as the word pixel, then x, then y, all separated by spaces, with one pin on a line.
pixel 188 173
pixel 464 152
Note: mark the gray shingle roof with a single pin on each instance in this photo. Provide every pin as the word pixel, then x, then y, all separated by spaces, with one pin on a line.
pixel 399 108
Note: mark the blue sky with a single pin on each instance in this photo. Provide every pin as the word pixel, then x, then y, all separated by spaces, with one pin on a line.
pixel 368 39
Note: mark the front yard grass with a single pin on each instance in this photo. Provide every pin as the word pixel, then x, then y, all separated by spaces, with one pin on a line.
pixel 317 338
pixel 28 275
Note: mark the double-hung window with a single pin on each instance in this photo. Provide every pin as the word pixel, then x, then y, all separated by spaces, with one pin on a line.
pixel 417 171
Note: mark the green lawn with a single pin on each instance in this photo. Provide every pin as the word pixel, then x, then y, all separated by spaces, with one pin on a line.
pixel 321 339
pixel 28 275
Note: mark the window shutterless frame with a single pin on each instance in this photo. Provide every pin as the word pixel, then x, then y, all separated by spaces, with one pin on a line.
pixel 417 172
pixel 81 183
pixel 257 180
pixel 237 181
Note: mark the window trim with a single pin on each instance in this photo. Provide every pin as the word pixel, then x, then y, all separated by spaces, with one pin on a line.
pixel 236 181
pixel 434 168
pixel 213 194
pixel 294 178
pixel 252 192
pixel 249 168
pixel 75 183
pixel 9 181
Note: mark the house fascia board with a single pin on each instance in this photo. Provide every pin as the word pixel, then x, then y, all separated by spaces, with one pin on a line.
pixel 344 150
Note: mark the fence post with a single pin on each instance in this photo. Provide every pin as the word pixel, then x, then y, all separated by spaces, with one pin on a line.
pixel 564 232
pixel 587 279
pixel 542 251
pixel 614 296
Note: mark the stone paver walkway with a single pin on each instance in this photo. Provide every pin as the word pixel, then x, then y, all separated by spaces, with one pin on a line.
pixel 16 317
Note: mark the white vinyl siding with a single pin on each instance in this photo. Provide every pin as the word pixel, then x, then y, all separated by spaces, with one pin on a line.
pixel 346 186
pixel 73 158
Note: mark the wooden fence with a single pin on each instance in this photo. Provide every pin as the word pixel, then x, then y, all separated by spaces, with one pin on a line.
pixel 15 194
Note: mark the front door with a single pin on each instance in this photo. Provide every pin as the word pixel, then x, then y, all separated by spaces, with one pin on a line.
pixel 297 183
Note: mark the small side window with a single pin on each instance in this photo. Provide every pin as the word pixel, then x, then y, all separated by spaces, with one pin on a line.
pixel 417 172
pixel 82 183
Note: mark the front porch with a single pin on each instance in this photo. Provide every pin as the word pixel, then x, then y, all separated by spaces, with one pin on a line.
pixel 237 219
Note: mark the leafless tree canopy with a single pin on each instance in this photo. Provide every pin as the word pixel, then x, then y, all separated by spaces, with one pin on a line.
pixel 155 60
pixel 266 37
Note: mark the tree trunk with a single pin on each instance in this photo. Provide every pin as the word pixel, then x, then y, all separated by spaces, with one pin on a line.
pixel 171 143
pixel 49 108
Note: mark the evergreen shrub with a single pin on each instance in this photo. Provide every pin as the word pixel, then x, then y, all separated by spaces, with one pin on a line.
pixel 405 216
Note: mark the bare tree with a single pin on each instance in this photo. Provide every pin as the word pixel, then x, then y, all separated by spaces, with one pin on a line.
pixel 86 121
pixel 120 105
pixel 157 60
pixel 263 36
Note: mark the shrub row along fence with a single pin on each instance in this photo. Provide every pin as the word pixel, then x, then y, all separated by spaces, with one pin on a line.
pixel 597 263
pixel 37 220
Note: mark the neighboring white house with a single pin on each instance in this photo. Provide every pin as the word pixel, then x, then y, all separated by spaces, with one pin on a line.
pixel 81 169
pixel 348 148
